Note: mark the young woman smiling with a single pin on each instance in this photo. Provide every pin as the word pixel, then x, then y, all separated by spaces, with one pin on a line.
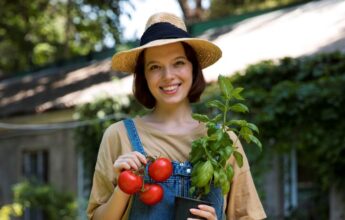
pixel 168 77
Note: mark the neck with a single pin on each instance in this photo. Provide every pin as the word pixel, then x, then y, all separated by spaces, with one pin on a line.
pixel 172 119
pixel 172 114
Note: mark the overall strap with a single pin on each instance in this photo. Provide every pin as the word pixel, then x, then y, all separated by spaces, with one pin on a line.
pixel 133 136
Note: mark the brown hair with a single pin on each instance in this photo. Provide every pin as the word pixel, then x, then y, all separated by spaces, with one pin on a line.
pixel 142 92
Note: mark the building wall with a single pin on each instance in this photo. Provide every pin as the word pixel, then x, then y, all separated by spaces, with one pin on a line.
pixel 62 158
pixel 273 187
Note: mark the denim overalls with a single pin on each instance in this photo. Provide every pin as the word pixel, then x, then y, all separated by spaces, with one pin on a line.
pixel 178 184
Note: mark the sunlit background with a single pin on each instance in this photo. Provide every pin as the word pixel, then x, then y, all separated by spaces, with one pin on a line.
pixel 58 94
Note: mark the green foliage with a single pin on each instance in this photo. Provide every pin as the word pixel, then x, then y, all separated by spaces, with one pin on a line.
pixel 102 113
pixel 8 210
pixel 54 204
pixel 37 32
pixel 210 153
pixel 300 103
pixel 221 8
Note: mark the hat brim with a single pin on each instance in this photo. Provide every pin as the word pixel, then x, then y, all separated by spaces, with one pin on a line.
pixel 207 53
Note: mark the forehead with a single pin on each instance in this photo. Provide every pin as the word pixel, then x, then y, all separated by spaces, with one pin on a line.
pixel 168 51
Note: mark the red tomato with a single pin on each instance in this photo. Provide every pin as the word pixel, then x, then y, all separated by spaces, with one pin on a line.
pixel 129 182
pixel 152 194
pixel 160 169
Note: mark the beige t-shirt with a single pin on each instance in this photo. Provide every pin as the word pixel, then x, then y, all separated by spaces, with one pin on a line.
pixel 242 202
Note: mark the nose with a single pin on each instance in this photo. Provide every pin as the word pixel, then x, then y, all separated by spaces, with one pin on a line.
pixel 168 73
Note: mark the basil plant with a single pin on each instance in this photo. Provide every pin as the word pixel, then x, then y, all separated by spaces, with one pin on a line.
pixel 210 154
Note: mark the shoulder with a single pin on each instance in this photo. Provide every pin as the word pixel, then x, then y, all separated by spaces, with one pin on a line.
pixel 233 136
pixel 114 135
pixel 236 140
pixel 239 148
pixel 116 128
pixel 114 142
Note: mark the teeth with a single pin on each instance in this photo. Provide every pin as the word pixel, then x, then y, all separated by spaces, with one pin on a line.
pixel 169 88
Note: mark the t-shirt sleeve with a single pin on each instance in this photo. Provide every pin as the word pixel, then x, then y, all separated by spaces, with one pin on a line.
pixel 104 179
pixel 243 202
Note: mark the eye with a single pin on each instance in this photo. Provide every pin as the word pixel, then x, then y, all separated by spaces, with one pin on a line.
pixel 180 63
pixel 154 67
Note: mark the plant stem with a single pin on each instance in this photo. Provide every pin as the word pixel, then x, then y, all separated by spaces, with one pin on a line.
pixel 225 114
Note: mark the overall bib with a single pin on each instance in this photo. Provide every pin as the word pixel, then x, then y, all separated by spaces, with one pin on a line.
pixel 177 185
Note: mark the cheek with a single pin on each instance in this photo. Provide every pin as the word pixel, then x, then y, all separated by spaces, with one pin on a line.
pixel 151 80
pixel 189 75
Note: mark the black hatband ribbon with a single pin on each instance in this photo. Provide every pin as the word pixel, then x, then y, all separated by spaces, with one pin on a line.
pixel 162 30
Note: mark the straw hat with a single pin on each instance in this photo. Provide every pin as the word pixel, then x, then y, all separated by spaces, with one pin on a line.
pixel 165 28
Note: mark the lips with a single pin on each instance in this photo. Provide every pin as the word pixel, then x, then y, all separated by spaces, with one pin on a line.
pixel 169 89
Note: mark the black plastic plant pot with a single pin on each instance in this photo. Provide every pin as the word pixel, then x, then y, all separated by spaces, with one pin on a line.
pixel 184 204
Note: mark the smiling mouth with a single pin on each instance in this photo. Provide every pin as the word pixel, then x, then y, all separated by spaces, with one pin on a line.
pixel 170 89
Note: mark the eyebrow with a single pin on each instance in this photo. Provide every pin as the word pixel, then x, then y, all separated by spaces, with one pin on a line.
pixel 176 58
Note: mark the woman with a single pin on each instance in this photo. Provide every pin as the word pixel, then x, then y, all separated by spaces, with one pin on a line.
pixel 167 69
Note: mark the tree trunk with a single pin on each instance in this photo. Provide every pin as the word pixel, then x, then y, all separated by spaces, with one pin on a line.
pixel 66 50
pixel 192 15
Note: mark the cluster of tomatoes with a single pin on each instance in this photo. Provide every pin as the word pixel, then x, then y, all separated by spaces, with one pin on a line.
pixel 132 182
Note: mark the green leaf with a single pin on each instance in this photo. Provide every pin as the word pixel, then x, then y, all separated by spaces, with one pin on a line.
pixel 225 86
pixel 239 107
pixel 200 117
pixel 225 188
pixel 216 104
pixel 229 172
pixel 256 141
pixel 207 189
pixel 228 150
pixel 253 127
pixel 196 154
pixel 224 182
pixel 204 173
pixel 226 140
pixel 214 146
pixel 213 137
pixel 240 123
pixel 222 176
pixel 239 158
pixel 236 93
pixel 220 135
pixel 217 118
pixel 192 190
pixel 245 132
pixel 216 178
pixel 211 128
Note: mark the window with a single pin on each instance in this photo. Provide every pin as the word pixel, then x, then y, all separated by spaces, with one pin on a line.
pixel 35 165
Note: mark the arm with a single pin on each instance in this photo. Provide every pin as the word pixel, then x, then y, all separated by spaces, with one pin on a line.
pixel 107 201
pixel 117 203
pixel 243 201
pixel 114 208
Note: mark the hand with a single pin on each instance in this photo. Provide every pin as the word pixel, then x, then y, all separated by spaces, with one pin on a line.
pixel 204 211
pixel 133 160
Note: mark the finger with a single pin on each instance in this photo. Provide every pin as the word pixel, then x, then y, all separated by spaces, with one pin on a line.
pixel 133 165
pixel 120 166
pixel 124 166
pixel 121 163
pixel 131 159
pixel 136 158
pixel 141 157
pixel 207 208
pixel 204 214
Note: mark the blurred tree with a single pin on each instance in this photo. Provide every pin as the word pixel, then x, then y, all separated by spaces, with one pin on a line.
pixel 38 32
pixel 195 11
pixel 221 8
pixel 192 14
